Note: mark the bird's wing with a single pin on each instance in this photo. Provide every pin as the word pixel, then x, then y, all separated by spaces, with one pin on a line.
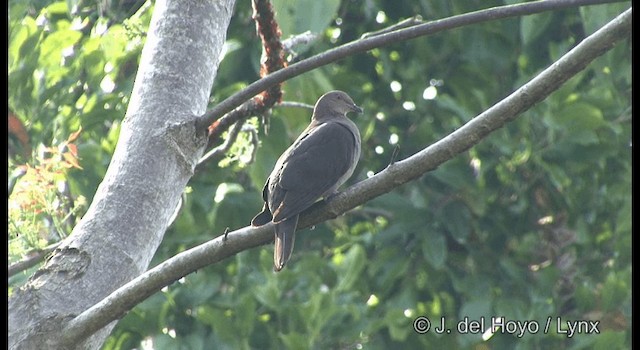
pixel 313 166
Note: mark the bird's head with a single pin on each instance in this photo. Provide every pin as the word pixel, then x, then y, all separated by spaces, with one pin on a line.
pixel 335 103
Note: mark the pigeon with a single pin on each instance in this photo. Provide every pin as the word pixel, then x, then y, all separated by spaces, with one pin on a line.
pixel 321 159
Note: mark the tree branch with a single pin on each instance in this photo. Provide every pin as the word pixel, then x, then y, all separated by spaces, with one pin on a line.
pixel 33 258
pixel 225 146
pixel 396 174
pixel 217 114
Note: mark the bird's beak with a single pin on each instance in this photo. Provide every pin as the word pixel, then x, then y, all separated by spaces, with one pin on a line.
pixel 357 109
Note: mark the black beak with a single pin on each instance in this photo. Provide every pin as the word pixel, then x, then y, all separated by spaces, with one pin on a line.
pixel 357 109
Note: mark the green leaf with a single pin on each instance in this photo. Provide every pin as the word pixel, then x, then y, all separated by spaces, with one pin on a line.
pixel 581 115
pixel 350 268
pixel 594 17
pixel 533 26
pixel 295 340
pixel 456 218
pixel 434 248
pixel 57 8
pixel 578 122
pixel 246 314
pixel 456 173
pixel 51 55
pixel 615 291
pixel 114 43
pixel 268 294
pixel 295 17
pixel 607 340
pixel 511 309
pixel 22 41
pixel 398 324
pixel 472 313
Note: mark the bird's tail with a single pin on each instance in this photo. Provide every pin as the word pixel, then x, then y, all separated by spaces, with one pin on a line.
pixel 285 236
pixel 263 217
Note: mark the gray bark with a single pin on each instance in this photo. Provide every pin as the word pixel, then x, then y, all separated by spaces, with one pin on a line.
pixel 156 153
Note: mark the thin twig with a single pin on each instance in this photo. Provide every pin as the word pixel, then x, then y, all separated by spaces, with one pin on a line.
pixel 224 147
pixel 33 258
pixel 300 39
pixel 394 155
pixel 409 22
pixel 294 104
pixel 255 141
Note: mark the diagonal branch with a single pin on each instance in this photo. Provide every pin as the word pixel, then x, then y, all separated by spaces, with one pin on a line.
pixel 217 114
pixel 124 298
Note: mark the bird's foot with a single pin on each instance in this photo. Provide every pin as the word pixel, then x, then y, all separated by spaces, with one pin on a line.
pixel 394 155
pixel 226 234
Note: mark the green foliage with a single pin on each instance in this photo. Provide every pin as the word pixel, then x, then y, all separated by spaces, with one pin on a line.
pixel 295 17
pixel 532 223
pixel 41 210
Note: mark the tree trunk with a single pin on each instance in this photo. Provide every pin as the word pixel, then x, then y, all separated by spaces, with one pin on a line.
pixel 153 161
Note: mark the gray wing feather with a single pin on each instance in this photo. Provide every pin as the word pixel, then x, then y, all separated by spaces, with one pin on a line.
pixel 311 168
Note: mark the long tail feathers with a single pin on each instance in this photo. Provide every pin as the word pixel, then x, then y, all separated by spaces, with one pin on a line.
pixel 284 239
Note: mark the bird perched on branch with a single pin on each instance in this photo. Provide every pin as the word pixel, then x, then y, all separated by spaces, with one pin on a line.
pixel 322 158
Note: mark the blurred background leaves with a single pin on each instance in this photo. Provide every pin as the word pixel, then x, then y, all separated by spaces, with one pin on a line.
pixel 535 221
